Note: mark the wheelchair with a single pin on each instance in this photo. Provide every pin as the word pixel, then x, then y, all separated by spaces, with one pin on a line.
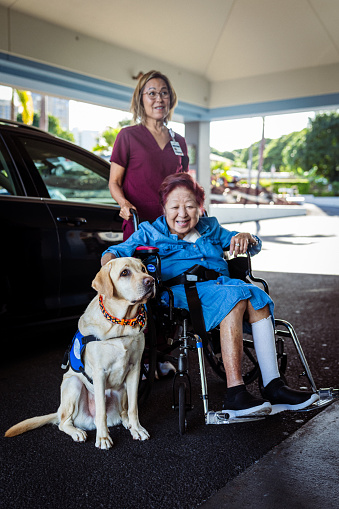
pixel 182 335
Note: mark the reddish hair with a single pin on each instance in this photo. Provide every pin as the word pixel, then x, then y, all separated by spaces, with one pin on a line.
pixel 181 180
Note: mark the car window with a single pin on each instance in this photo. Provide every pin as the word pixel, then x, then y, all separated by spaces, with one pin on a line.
pixel 9 186
pixel 68 174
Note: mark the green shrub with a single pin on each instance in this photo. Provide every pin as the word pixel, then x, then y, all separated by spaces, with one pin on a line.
pixel 303 185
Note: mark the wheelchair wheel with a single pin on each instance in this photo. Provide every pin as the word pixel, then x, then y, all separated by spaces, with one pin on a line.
pixel 251 371
pixel 149 359
pixel 212 352
pixel 182 408
pixel 250 364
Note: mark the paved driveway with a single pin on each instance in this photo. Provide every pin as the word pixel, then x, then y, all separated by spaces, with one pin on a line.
pixel 302 244
pixel 45 469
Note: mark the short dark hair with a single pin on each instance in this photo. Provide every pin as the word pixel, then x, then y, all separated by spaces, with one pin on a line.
pixel 181 180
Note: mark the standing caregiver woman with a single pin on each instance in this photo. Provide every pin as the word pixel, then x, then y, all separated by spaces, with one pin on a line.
pixel 185 239
pixel 145 153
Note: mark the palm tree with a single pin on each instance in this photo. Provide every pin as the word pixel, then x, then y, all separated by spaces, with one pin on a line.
pixel 26 101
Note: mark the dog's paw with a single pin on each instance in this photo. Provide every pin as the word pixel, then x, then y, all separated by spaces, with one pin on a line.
pixel 79 435
pixel 139 433
pixel 104 442
pixel 125 422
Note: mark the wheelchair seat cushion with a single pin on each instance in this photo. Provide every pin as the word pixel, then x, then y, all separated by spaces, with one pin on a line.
pixel 218 297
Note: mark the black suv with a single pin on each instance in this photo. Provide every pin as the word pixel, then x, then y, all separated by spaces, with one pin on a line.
pixel 57 217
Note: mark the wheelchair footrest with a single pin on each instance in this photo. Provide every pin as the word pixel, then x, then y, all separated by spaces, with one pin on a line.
pixel 326 397
pixel 223 417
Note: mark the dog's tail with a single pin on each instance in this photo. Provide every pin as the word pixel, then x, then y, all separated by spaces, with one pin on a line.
pixel 29 424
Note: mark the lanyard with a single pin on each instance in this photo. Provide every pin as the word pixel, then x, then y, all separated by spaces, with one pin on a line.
pixel 175 144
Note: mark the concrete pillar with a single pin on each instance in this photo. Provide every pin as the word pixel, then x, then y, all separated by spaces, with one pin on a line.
pixel 197 135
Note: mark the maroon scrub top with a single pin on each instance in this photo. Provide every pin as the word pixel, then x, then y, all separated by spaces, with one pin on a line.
pixel 146 166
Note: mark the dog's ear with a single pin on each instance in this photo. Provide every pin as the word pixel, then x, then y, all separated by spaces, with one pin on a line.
pixel 102 282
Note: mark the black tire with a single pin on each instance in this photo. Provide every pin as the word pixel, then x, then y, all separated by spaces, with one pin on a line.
pixel 182 408
pixel 250 363
pixel 149 359
pixel 213 354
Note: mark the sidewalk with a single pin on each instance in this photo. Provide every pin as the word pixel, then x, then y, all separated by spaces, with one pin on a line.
pixel 300 473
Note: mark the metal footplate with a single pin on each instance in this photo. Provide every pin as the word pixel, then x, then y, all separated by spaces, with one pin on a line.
pixel 223 417
pixel 326 397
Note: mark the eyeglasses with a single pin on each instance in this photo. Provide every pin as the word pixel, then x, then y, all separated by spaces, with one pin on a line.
pixel 152 94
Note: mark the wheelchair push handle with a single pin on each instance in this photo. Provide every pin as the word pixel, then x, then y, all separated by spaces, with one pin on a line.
pixel 135 218
pixel 142 250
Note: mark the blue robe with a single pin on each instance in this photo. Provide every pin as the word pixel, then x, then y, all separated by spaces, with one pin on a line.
pixel 218 297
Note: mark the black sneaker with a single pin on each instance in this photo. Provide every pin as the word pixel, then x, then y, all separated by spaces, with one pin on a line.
pixel 284 398
pixel 243 404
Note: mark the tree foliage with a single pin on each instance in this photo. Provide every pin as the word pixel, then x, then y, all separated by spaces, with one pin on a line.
pixel 315 149
pixel 244 155
pixel 124 122
pixel 294 152
pixel 273 153
pixel 106 140
pixel 53 126
pixel 226 154
pixel 322 146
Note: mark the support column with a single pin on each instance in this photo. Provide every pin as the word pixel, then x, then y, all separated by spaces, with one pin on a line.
pixel 197 135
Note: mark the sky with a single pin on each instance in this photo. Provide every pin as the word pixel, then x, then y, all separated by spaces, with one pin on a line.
pixel 225 135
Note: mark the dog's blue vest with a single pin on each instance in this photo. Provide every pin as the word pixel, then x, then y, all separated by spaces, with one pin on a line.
pixel 74 354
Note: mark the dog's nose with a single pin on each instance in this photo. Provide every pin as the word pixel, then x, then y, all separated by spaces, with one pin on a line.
pixel 148 281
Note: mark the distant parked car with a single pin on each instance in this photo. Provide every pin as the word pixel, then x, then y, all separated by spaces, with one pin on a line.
pixel 57 165
pixel 54 227
pixel 106 157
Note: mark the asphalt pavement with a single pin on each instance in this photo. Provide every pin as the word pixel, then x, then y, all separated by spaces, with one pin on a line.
pixel 303 471
pixel 284 461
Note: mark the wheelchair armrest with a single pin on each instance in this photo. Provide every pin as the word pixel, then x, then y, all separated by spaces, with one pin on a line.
pixel 170 300
pixel 256 279
pixel 149 254
pixel 241 268
pixel 146 250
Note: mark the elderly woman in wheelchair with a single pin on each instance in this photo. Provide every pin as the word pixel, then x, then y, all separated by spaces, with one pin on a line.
pixel 185 238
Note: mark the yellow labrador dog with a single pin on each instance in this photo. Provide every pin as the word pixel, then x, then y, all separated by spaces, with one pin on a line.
pixel 102 389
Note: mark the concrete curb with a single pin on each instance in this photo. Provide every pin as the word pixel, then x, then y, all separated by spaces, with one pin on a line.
pixel 300 473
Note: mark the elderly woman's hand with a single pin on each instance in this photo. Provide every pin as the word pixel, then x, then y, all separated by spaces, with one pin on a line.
pixel 240 243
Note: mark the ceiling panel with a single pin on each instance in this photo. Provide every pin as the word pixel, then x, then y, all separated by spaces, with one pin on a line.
pixel 217 39
pixel 266 36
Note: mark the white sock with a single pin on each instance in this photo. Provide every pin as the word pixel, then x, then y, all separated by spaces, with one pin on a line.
pixel 264 344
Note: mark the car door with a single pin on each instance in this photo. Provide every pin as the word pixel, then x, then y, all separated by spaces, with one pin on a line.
pixel 81 205
pixel 29 254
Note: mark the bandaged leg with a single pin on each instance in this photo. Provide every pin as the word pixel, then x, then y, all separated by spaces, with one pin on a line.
pixel 264 344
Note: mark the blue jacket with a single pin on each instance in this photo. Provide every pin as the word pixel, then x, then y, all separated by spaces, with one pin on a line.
pixel 218 297
pixel 178 255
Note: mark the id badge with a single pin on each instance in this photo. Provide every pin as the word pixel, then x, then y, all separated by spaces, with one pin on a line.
pixel 176 148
